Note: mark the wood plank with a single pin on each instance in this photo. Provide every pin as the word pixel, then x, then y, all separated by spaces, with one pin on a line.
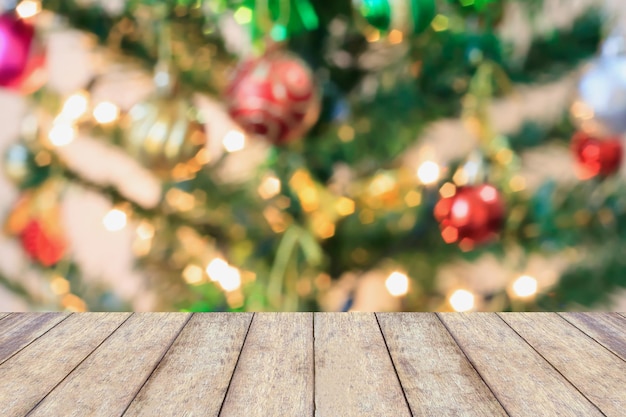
pixel 194 374
pixel 18 330
pixel 274 374
pixel 33 372
pixel 608 329
pixel 524 382
pixel 116 370
pixel 3 315
pixel 354 373
pixel 421 346
pixel 598 373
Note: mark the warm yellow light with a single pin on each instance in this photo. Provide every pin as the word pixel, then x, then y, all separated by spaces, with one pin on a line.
pixel 447 190
pixel 234 141
pixel 74 107
pixel 345 206
pixel 106 112
pixel 145 230
pixel 216 268
pixel 60 285
pixel 28 8
pixel 462 300
pixel 413 198
pixel 193 274
pixel 428 172
pixel 270 187
pixel 525 286
pixel 115 220
pixel 62 134
pixel 230 279
pixel 397 284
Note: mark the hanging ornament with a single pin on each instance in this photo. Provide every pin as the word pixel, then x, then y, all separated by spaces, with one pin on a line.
pixel 407 16
pixel 596 157
pixel 474 214
pixel 164 131
pixel 274 96
pixel 21 167
pixel 35 219
pixel 22 56
pixel 41 244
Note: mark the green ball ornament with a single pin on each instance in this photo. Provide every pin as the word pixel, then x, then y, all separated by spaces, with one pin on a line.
pixel 407 16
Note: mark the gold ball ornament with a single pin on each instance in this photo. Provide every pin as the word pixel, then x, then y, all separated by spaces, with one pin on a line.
pixel 163 132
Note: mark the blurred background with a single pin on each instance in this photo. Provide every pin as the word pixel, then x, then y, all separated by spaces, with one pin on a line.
pixel 285 155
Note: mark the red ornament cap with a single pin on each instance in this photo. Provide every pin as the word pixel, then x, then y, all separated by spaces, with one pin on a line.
pixel 472 215
pixel 596 157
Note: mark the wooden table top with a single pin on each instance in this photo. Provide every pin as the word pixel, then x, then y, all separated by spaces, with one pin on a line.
pixel 313 364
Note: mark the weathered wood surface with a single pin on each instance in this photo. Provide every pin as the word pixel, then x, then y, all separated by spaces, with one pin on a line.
pixel 596 372
pixel 274 375
pixel 420 345
pixel 312 364
pixel 605 328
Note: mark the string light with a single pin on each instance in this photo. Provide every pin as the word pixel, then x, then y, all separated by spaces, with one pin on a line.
pixel 270 187
pixel 525 286
pixel 230 280
pixel 28 8
pixel 115 220
pixel 428 173
pixel 397 284
pixel 74 107
pixel 62 134
pixel 462 300
pixel 234 141
pixel 216 268
pixel 192 274
pixel 106 112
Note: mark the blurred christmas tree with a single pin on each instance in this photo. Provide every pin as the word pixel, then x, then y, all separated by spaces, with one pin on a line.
pixel 315 155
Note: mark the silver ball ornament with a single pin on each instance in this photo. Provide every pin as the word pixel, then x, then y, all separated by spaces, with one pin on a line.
pixel 600 107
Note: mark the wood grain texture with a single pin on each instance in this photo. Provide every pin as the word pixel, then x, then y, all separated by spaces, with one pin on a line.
pixel 34 371
pixel 608 329
pixel 354 375
pixel 3 315
pixel 598 373
pixel 524 383
pixel 18 330
pixel 435 374
pixel 116 370
pixel 194 374
pixel 274 374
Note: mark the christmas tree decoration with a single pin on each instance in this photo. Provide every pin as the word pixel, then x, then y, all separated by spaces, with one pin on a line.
pixel 35 219
pixel 42 243
pixel 164 131
pixel 470 215
pixel 600 108
pixel 597 157
pixel 22 57
pixel 22 166
pixel 274 96
pixel 406 16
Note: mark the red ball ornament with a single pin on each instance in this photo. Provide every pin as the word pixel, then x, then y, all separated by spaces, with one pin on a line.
pixel 596 157
pixel 274 96
pixel 22 58
pixel 472 215
pixel 41 245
